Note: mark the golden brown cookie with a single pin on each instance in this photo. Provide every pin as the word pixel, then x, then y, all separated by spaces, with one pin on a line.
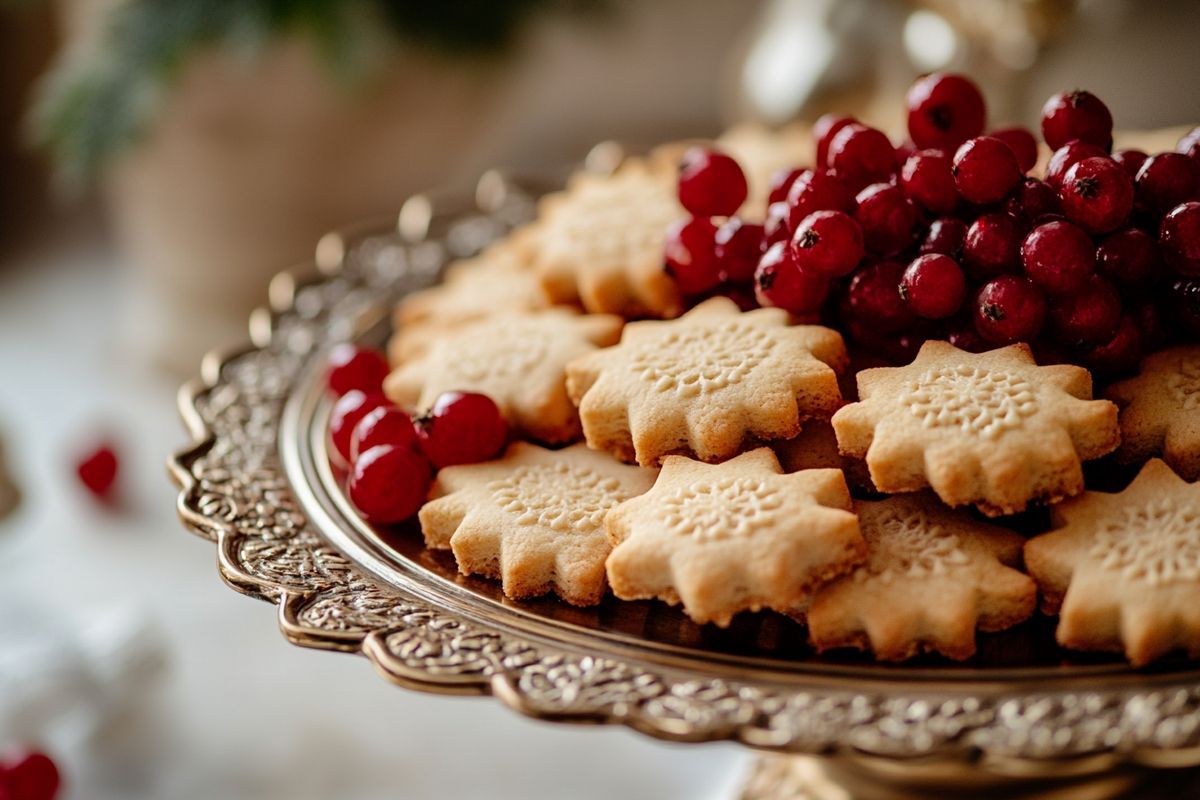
pixel 706 384
pixel 733 537
pixel 1160 410
pixel 990 429
pixel 933 577
pixel 1123 570
pixel 517 359
pixel 533 518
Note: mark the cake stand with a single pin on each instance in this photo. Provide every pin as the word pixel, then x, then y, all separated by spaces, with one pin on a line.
pixel 1021 720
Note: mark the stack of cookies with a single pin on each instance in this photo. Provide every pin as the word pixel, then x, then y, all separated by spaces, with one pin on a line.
pixel 731 460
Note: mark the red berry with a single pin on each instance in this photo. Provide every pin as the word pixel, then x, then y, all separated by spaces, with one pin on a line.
pixel 1068 156
pixel 992 246
pixel 1058 257
pixel 388 484
pixel 779 282
pixel 781 182
pixel 1032 201
pixel 353 367
pixel 1120 353
pixel 347 411
pixel 1022 143
pixel 1166 180
pixel 1130 160
pixel 34 776
pixel 874 297
pixel 1129 257
pixel 775 226
pixel 827 127
pixel 888 219
pixel 1009 309
pixel 742 294
pixel 860 156
pixel 1076 115
pixel 817 190
pixel 1182 304
pixel 462 428
pixel 1189 145
pixel 738 248
pixel 945 236
pixel 690 255
pixel 827 243
pixel 1150 323
pixel 711 184
pixel 962 334
pixel 944 111
pixel 1088 315
pixel 985 170
pixel 933 286
pixel 1179 238
pixel 1097 195
pixel 388 425
pixel 927 179
pixel 97 471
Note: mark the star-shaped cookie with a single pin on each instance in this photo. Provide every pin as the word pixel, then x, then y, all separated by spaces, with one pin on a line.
pixel 599 243
pixel 533 518
pixel 732 537
pixel 1123 570
pixel 933 576
pixel 1160 410
pixel 706 383
pixel 991 429
pixel 517 359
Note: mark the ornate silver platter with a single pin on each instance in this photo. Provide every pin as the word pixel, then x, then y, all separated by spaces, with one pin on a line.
pixel 1021 719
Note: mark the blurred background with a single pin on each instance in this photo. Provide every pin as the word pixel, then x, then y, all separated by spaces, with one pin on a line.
pixel 161 159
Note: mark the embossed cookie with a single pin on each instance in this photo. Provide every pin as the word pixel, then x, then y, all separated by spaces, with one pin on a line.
pixel 990 429
pixel 706 383
pixel 516 359
pixel 533 518
pixel 732 537
pixel 1123 570
pixel 599 243
pixel 933 577
pixel 1160 410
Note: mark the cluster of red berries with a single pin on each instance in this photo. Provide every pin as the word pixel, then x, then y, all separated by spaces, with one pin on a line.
pixel 29 776
pixel 392 455
pixel 947 236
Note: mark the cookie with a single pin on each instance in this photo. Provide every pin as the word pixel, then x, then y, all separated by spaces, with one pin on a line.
pixel 1123 570
pixel 599 243
pixel 706 384
pixel 933 577
pixel 991 429
pixel 517 359
pixel 533 518
pixel 1160 410
pixel 733 537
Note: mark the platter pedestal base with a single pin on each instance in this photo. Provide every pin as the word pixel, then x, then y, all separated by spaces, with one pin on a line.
pixel 779 777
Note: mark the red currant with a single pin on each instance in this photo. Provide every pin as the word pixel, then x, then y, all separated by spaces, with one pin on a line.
pixel 1130 160
pixel 1032 201
pixel 1166 180
pixel 353 367
pixel 711 184
pixel 1120 353
pixel 347 411
pixel 779 282
pixel 1183 304
pixel 1068 156
pixel 927 179
pixel 1179 238
pixel 888 219
pixel 874 297
pixel 817 190
pixel 1189 144
pixel 933 286
pixel 1076 115
pixel 1149 321
pixel 1088 315
pixel 738 248
pixel 690 255
pixel 1009 309
pixel 462 428
pixel 985 170
pixel 825 128
pixel 97 471
pixel 827 243
pixel 1129 257
pixel 992 246
pixel 961 333
pixel 1097 195
pixel 944 111
pixel 388 484
pixel 33 776
pixel 945 236
pixel 388 425
pixel 1058 257
pixel 776 227
pixel 1022 143
pixel 861 155
pixel 781 182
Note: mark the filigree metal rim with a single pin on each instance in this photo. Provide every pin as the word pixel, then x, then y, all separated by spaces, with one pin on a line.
pixel 233 492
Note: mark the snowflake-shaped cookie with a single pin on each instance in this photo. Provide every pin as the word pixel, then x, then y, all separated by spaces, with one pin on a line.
pixel 1123 570
pixel 599 243
pixel 991 429
pixel 933 577
pixel 1160 410
pixel 517 359
pixel 732 537
pixel 533 518
pixel 706 383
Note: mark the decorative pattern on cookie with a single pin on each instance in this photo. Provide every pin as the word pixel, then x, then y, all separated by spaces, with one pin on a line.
pixel 706 383
pixel 933 577
pixel 518 360
pixel 1123 570
pixel 1160 410
pixel 599 243
pixel 733 537
pixel 991 429
pixel 533 518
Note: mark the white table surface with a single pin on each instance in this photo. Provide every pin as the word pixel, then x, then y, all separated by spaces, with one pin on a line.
pixel 239 713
